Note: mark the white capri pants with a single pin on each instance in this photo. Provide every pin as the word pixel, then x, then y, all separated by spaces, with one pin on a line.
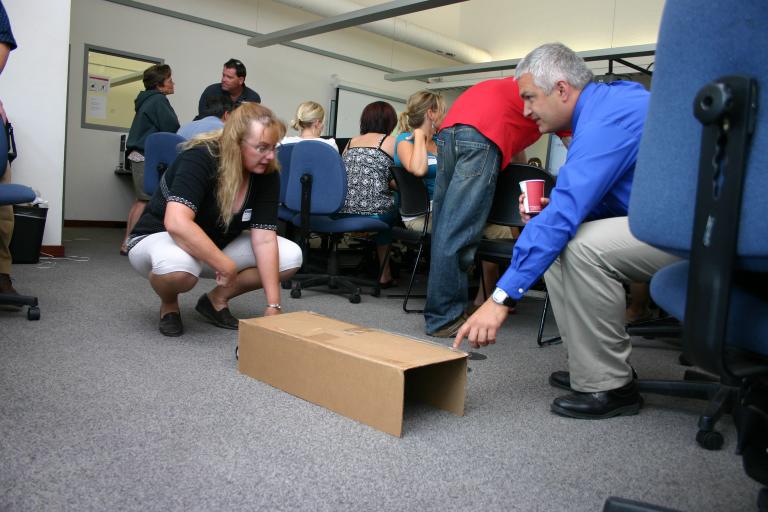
pixel 159 254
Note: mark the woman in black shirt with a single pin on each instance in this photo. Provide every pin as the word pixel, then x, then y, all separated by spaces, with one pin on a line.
pixel 214 214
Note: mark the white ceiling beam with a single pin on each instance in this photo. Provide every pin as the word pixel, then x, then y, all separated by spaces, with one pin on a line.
pixel 499 65
pixel 350 19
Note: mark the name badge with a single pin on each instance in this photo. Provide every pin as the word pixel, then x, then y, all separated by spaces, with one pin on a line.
pixel 431 160
pixel 247 215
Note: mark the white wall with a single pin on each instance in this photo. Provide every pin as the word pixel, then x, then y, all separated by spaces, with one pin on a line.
pixel 33 89
pixel 283 76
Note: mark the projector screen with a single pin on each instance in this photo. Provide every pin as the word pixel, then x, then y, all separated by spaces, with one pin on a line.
pixel 350 104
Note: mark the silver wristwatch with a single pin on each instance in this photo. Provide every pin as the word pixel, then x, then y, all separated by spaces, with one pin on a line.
pixel 501 298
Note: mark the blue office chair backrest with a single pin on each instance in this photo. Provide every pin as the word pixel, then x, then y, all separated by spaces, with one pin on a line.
pixel 3 149
pixel 700 41
pixel 284 153
pixel 11 193
pixel 329 177
pixel 160 150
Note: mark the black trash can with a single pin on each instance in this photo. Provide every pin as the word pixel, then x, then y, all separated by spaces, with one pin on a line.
pixel 28 228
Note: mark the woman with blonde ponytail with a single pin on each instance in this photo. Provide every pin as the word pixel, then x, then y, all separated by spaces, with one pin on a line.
pixel 309 122
pixel 215 215
pixel 415 148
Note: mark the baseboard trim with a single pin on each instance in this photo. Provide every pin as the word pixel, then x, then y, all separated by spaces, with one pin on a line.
pixel 56 251
pixel 94 224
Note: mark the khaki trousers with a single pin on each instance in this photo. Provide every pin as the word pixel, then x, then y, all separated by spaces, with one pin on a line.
pixel 586 290
pixel 6 229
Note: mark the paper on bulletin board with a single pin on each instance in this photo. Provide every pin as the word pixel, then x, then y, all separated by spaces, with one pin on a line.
pixel 97 106
pixel 98 84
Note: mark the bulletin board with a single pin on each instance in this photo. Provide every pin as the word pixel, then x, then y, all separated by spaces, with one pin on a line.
pixel 111 81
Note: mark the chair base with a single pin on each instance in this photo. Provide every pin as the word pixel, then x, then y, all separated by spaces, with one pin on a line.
pixel 421 243
pixel 33 312
pixel 666 327
pixel 338 285
pixel 721 397
pixel 614 504
pixel 555 340
pixel 406 297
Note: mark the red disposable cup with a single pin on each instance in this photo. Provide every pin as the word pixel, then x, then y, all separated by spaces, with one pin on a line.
pixel 533 190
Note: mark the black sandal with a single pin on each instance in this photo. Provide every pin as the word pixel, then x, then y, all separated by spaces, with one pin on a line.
pixel 223 318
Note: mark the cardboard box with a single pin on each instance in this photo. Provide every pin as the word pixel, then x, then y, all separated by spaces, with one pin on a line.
pixel 359 372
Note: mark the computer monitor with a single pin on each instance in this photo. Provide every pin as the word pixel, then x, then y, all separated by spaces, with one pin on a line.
pixel 556 154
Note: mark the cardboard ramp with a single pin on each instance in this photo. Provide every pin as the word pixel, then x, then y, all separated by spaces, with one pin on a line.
pixel 356 371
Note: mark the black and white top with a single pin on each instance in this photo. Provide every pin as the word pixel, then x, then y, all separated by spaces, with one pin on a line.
pixel 368 178
pixel 191 180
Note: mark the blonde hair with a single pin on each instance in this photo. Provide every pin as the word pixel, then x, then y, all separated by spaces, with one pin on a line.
pixel 307 113
pixel 416 109
pixel 226 144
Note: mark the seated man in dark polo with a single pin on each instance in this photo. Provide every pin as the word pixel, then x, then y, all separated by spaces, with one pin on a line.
pixel 581 239
pixel 232 85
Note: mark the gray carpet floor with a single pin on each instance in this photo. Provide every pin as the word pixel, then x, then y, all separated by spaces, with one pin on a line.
pixel 99 411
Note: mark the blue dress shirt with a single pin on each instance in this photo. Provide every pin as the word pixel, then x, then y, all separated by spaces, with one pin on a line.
pixel 6 34
pixel 206 124
pixel 594 183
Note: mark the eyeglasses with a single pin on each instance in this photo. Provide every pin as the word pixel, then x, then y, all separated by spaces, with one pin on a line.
pixel 261 149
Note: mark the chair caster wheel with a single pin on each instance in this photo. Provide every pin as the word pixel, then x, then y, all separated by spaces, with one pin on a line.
pixel 33 313
pixel 355 298
pixel 709 439
pixel 237 353
pixel 762 500
pixel 295 293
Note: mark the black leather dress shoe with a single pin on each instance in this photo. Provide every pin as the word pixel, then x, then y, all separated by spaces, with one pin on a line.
pixel 562 379
pixel 623 401
pixel 170 324
pixel 222 318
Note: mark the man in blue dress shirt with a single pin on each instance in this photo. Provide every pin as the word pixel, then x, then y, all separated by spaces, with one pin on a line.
pixel 581 239
pixel 212 117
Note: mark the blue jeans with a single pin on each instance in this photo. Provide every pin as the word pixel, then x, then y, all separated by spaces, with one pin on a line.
pixel 467 168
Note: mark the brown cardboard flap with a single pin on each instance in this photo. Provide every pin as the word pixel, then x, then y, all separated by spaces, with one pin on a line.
pixel 380 346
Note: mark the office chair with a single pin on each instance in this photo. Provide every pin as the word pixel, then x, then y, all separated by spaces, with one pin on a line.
pixel 284 152
pixel 160 150
pixel 414 202
pixel 317 188
pixel 705 138
pixel 10 194
pixel 674 139
pixel 505 211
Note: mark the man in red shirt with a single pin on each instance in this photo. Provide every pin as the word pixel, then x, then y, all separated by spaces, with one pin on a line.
pixel 482 132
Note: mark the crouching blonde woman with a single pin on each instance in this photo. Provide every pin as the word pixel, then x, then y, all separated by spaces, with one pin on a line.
pixel 214 215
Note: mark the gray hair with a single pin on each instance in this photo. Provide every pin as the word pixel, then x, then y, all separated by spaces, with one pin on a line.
pixel 552 62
